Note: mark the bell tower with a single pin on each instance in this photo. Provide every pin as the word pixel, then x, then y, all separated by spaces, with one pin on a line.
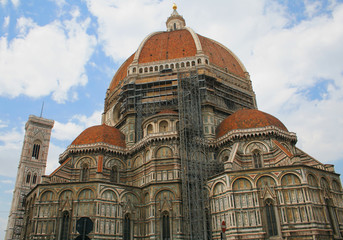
pixel 31 167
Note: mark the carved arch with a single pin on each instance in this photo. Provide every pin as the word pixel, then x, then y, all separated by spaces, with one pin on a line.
pixel 86 159
pixel 255 145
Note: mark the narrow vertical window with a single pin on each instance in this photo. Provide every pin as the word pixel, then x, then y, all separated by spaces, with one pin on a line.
pixel 65 226
pixel 35 151
pixel 257 159
pixel 165 226
pixel 271 219
pixel 84 172
pixel 34 179
pixel 28 178
pixel 126 228
pixel 114 174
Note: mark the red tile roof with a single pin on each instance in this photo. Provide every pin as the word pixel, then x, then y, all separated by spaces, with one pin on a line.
pixel 176 45
pixel 248 118
pixel 220 57
pixel 101 134
pixel 168 45
pixel 121 73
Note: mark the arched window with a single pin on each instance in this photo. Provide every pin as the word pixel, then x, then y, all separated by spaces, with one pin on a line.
pixel 156 68
pixel 126 228
pixel 193 63
pixel 65 226
pixel 34 179
pixel 28 178
pixel 151 69
pixel 163 126
pixel 134 70
pixel 241 184
pixel 218 189
pixel 265 181
pixel 165 226
pixel 177 65
pixel 164 152
pixel 114 174
pixel 312 180
pixel 35 151
pixel 199 61
pixel 324 184
pixel 290 180
pixel 150 129
pixel 256 155
pixel 84 172
pixel 271 219
pixel 182 64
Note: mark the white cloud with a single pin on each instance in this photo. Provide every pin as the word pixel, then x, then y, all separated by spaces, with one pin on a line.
pixel 53 157
pixel 3 2
pixel 7 181
pixel 286 64
pixel 59 3
pixel 45 60
pixel 312 7
pixel 10 191
pixel 124 24
pixel 70 130
pixel 3 124
pixel 6 22
pixel 10 147
pixel 15 3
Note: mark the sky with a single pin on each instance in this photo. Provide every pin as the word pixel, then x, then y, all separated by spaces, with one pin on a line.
pixel 65 53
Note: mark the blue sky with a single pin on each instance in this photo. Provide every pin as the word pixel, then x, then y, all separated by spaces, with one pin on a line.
pixel 65 53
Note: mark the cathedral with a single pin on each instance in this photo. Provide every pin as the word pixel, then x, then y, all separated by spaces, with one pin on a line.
pixel 182 153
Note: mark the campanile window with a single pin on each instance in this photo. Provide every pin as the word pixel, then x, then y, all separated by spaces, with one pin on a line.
pixel 35 151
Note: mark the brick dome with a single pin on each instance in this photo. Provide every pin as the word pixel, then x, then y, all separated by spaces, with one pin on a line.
pixel 179 44
pixel 101 134
pixel 248 118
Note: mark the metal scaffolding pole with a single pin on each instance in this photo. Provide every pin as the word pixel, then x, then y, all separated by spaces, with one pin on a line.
pixel 193 157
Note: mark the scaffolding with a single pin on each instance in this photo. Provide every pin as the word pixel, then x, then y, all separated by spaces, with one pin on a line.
pixel 193 156
pixel 186 92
